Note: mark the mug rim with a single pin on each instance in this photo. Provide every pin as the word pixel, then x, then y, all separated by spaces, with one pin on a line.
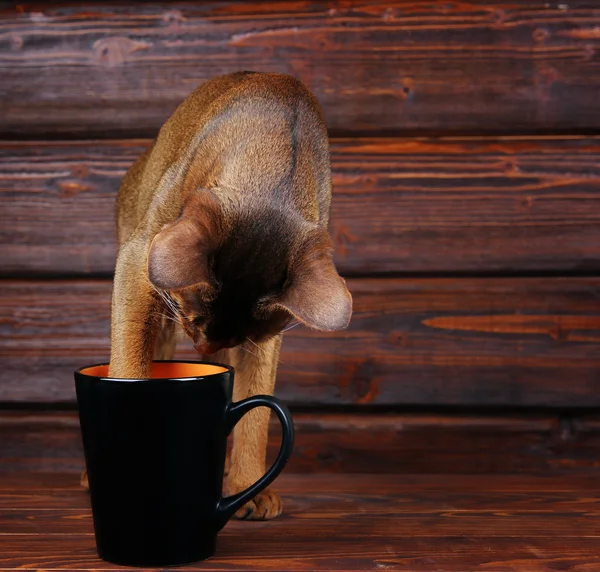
pixel 229 369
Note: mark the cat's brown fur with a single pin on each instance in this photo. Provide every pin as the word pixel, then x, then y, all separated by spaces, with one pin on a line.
pixel 229 204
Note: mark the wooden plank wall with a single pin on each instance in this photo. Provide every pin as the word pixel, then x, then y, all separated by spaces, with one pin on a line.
pixel 92 68
pixel 466 210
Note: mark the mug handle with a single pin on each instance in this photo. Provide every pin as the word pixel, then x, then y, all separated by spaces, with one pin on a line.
pixel 228 506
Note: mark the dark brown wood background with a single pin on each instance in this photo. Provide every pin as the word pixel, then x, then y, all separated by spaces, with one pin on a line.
pixel 466 163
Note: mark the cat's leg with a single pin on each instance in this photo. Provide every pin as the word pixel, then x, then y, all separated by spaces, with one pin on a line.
pixel 133 319
pixel 254 374
pixel 165 342
pixel 223 357
pixel 134 315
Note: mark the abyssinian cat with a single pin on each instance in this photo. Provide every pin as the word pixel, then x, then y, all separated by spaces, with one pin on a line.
pixel 222 232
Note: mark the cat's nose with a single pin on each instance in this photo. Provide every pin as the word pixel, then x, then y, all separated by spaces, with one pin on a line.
pixel 208 348
pixel 212 347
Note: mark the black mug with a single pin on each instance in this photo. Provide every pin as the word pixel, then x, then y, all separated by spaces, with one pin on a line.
pixel 155 456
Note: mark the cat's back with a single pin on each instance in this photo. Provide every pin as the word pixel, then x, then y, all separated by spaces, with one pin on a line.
pixel 139 185
pixel 224 96
pixel 238 109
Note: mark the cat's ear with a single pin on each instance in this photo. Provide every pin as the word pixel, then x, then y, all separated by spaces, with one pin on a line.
pixel 317 295
pixel 179 254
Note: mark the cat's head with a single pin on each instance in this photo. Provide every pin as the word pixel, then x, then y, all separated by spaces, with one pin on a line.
pixel 238 272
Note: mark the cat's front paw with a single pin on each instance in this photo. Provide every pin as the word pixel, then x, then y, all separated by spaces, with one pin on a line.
pixel 264 506
pixel 84 481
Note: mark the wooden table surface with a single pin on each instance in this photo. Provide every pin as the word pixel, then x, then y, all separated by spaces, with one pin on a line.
pixel 344 522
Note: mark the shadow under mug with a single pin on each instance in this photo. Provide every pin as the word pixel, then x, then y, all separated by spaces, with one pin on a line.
pixel 155 456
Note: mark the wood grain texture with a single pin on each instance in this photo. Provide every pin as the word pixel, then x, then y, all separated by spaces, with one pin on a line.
pixel 430 499
pixel 349 444
pixel 394 522
pixel 29 484
pixel 287 547
pixel 399 205
pixel 470 342
pixel 473 524
pixel 121 68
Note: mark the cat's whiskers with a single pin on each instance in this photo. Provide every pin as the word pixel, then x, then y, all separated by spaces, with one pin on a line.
pixel 255 344
pixel 159 315
pixel 169 311
pixel 280 361
pixel 264 351
pixel 249 351
pixel 159 292
pixel 290 327
pixel 169 303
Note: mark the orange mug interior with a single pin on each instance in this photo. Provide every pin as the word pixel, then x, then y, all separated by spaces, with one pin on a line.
pixel 165 370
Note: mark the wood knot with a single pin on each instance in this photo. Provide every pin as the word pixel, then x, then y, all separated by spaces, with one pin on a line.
pixel 588 53
pixel 545 77
pixel 114 50
pixel 527 203
pixel 37 16
pixel 79 171
pixel 16 42
pixel 70 188
pixel 343 237
pixel 364 389
pixel 398 339
pixel 172 17
pixel 406 87
pixel 499 17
